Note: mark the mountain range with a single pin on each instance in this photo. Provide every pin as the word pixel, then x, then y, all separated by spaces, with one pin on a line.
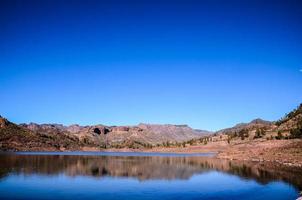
pixel 34 136
pixel 54 137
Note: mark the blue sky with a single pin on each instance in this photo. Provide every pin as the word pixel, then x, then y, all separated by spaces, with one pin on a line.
pixel 208 64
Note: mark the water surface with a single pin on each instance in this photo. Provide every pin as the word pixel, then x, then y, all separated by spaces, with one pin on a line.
pixel 78 175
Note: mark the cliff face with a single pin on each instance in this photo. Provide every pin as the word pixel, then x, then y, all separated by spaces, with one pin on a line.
pixel 75 137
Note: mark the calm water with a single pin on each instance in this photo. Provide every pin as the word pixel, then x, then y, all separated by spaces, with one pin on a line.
pixel 142 176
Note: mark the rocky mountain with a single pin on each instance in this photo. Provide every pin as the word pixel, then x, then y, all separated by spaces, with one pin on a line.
pixel 253 125
pixel 15 137
pixel 75 137
pixel 50 137
pixel 290 126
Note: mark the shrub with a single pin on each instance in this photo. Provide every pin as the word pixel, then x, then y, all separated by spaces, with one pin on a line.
pixel 258 134
pixel 279 136
pixel 229 140
pixel 243 133
pixel 297 132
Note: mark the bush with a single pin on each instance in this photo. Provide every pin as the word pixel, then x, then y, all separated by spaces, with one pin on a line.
pixel 258 134
pixel 243 133
pixel 229 140
pixel 279 136
pixel 297 132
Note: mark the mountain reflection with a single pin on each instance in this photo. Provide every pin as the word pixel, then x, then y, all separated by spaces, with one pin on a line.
pixel 144 167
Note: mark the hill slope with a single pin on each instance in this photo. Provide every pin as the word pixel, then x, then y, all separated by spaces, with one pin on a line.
pixel 14 137
pixel 59 137
pixel 288 127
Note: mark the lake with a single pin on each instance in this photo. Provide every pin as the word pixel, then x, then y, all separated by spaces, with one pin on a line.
pixel 142 176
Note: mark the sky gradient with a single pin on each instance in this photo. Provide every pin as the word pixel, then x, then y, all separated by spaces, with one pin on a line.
pixel 208 64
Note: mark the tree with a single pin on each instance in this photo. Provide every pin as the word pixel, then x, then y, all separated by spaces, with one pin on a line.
pixel 297 132
pixel 279 136
pixel 243 133
pixel 229 139
pixel 258 133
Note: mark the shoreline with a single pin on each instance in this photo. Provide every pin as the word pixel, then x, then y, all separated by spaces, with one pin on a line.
pixel 285 152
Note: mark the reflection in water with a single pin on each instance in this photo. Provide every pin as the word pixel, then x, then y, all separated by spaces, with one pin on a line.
pixel 144 167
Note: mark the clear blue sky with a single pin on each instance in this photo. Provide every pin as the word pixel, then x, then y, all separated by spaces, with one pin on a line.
pixel 208 64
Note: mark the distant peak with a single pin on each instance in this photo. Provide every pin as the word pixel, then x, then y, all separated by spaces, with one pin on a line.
pixel 177 125
pixel 260 121
pixel 74 125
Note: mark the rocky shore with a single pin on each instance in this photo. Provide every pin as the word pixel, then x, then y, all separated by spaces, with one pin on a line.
pixel 284 152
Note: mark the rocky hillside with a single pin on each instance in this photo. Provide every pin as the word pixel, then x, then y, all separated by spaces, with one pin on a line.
pixel 14 137
pixel 75 137
pixel 288 127
pixel 292 122
pixel 253 125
